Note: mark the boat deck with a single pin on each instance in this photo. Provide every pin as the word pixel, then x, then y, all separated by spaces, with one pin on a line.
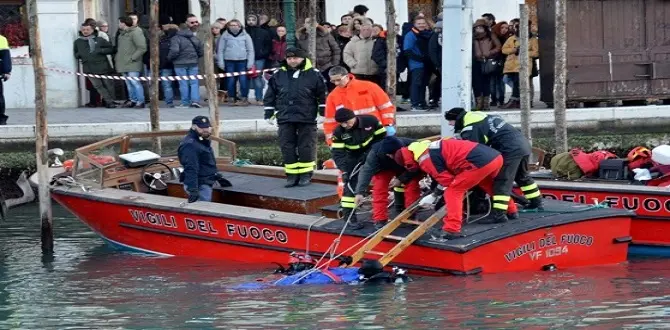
pixel 546 179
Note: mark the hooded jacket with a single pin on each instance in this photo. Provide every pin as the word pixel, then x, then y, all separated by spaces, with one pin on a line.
pixel 233 47
pixel 295 95
pixel 131 46
pixel 328 53
pixel 511 48
pixel 262 41
pixel 93 51
pixel 185 49
pixel 415 48
pixel 485 45
pixel 164 47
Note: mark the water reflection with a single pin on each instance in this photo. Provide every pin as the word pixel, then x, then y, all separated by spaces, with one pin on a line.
pixel 88 285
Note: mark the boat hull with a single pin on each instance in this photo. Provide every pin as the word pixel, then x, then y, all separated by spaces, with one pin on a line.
pixel 650 228
pixel 134 224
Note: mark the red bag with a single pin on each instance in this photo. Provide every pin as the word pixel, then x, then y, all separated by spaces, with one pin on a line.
pixel 254 73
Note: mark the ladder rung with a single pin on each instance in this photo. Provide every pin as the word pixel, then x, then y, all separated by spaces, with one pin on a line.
pixel 393 237
pixel 375 252
pixel 413 222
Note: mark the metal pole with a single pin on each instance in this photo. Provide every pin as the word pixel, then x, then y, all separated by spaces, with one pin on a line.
pixel 154 109
pixel 524 71
pixel 41 131
pixel 456 59
pixel 391 70
pixel 210 79
pixel 289 21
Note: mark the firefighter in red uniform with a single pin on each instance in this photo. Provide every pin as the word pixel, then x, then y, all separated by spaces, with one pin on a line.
pixel 351 143
pixel 381 169
pixel 458 166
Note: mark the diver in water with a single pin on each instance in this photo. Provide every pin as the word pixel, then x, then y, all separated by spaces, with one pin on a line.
pixel 301 270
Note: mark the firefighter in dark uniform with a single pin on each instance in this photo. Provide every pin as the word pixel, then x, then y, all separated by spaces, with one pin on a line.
pixel 296 93
pixel 495 132
pixel 351 142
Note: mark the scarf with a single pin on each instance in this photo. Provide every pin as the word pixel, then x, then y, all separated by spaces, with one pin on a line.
pixel 91 42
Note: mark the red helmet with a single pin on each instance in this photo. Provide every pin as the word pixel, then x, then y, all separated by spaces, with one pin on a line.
pixel 638 157
pixel 300 258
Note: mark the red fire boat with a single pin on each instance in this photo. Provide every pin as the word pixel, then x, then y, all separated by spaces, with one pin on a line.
pixel 133 201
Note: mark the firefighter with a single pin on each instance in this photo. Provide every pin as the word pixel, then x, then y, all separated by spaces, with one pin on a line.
pixel 349 148
pixel 296 93
pixel 457 166
pixel 383 171
pixel 363 97
pixel 515 149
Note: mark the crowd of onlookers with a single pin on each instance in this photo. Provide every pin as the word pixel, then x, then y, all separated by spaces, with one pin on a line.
pixel 357 43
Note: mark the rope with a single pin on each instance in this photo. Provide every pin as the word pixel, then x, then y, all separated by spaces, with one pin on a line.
pixel 602 205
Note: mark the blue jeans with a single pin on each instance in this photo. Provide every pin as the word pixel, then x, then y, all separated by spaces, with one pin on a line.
pixel 168 93
pixel 237 66
pixel 418 88
pixel 205 192
pixel 497 89
pixel 135 89
pixel 189 89
pixel 259 82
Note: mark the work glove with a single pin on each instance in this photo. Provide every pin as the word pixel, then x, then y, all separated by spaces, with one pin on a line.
pixel 427 201
pixel 320 119
pixel 223 182
pixel 193 196
pixel 271 121
pixel 390 130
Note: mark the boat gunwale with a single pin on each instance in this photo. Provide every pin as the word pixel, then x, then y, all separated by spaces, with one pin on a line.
pixel 615 214
pixel 601 187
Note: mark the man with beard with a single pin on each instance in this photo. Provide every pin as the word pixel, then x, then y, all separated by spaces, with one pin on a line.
pixel 262 40
pixel 197 157
pixel 296 94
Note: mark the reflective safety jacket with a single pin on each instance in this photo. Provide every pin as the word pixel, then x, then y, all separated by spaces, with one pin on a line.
pixel 492 131
pixel 350 146
pixel 447 157
pixel 363 98
pixel 295 95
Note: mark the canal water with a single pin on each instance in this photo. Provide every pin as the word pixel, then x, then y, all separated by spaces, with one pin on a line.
pixel 88 285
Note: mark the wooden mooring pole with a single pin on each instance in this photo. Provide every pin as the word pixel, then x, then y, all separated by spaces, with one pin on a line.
pixel 391 33
pixel 210 79
pixel 154 112
pixel 41 130
pixel 560 78
pixel 524 71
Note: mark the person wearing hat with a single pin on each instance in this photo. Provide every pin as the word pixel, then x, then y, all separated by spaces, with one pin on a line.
pixel 380 168
pixel 197 158
pixel 457 166
pixel 493 131
pixel 295 96
pixel 352 140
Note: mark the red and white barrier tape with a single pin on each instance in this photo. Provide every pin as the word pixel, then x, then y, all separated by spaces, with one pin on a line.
pixel 169 78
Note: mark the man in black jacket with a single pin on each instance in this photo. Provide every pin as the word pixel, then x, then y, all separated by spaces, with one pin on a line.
pixel 381 168
pixel 352 141
pixel 262 40
pixel 296 94
pixel 92 51
pixel 197 157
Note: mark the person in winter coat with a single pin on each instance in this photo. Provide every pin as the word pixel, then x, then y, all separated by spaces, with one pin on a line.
pixel 512 66
pixel 217 28
pixel 328 52
pixel 185 50
pixel 262 40
pixel 92 50
pixel 130 48
pixel 379 56
pixel 485 49
pixel 415 48
pixel 165 66
pixel 278 47
pixel 342 36
pixel 358 56
pixel 296 94
pixel 500 30
pixel 236 54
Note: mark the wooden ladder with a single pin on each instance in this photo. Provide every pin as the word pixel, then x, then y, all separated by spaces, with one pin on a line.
pixel 403 242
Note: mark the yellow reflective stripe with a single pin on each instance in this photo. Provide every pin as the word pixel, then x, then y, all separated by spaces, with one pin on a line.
pixel 292 170
pixel 348 199
pixel 399 189
pixel 529 187
pixel 380 131
pixel 294 165
pixel 348 205
pixel 353 147
pixel 303 170
pixel 486 139
pixel 3 43
pixel 308 164
pixel 501 198
pixel 337 145
pixel 473 117
pixel 500 206
pixel 533 195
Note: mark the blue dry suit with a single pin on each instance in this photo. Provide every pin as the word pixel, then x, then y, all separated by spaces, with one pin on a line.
pixel 333 275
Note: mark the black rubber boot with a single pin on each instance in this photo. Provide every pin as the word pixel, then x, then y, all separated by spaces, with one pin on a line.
pixel 305 179
pixel 291 180
pixel 496 216
pixel 353 221
pixel 513 216
pixel 398 201
pixel 441 234
pixel 3 120
pixel 380 224
pixel 535 203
